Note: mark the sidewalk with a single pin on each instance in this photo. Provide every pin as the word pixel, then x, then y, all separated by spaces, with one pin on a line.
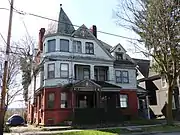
pixel 72 130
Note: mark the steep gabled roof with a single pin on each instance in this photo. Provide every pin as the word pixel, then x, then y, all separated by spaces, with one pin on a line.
pixel 107 46
pixel 64 24
pixel 114 48
pixel 84 32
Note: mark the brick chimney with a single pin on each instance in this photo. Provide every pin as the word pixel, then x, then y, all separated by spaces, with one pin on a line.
pixel 94 30
pixel 41 35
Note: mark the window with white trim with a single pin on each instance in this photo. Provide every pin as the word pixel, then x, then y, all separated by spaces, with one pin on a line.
pixel 51 71
pixel 64 45
pixel 122 76
pixel 123 100
pixel 118 76
pixel 64 102
pixel 64 70
pixel 89 48
pixel 52 45
pixel 77 47
pixel 125 77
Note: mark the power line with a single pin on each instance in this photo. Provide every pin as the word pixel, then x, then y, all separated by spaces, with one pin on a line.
pixel 47 18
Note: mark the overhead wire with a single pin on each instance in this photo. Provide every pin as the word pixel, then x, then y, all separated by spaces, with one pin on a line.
pixel 47 18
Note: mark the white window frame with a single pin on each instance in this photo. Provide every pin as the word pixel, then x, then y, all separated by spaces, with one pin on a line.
pixel 123 98
pixel 48 70
pixel 64 70
pixel 89 48
pixel 48 50
pixel 77 48
pixel 61 50
pixel 64 100
pixel 121 77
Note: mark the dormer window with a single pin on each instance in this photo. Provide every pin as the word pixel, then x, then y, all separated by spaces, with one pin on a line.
pixel 89 48
pixel 119 56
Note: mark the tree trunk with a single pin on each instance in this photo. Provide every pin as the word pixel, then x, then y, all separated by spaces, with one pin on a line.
pixel 169 106
pixel 2 114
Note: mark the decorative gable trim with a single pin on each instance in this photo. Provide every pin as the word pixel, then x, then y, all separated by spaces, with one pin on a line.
pixel 115 47
pixel 87 81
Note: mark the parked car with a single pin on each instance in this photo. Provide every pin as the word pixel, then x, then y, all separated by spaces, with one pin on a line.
pixel 15 120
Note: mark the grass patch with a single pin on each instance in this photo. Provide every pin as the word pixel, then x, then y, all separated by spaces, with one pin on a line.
pixel 116 131
pixel 87 132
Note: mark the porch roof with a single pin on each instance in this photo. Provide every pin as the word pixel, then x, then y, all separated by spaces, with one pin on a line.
pixel 94 84
pixel 104 84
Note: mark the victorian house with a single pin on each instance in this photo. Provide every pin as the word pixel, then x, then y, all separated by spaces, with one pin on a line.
pixel 80 78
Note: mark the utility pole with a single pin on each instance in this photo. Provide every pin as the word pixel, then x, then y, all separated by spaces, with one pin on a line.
pixel 3 93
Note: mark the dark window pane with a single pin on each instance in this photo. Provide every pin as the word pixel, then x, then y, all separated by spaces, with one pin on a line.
pixel 125 76
pixel 119 56
pixel 86 73
pixel 52 45
pixel 89 47
pixel 64 45
pixel 51 98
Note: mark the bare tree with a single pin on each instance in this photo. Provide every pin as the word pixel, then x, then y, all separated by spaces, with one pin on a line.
pixel 157 24
pixel 25 50
pixel 52 28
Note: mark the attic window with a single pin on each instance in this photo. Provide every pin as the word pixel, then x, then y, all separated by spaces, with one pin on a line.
pixel 119 56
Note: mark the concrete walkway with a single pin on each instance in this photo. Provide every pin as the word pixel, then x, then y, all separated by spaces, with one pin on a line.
pixel 62 131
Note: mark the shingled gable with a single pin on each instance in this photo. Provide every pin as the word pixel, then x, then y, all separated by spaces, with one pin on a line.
pixel 64 24
pixel 84 30
pixel 115 47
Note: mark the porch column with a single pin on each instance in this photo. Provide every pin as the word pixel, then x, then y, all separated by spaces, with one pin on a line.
pixel 37 118
pixel 111 73
pixel 92 72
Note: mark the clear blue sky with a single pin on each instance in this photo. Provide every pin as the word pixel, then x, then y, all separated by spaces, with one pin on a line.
pixel 88 12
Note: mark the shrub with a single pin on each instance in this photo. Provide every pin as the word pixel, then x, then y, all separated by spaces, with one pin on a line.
pixel 7 129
